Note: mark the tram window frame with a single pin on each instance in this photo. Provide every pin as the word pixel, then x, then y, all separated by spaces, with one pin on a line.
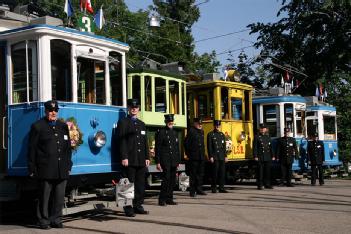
pixel 272 124
pixel 225 103
pixel 289 123
pixel 116 78
pixel 30 66
pixel 174 96
pixel 87 81
pixel 300 122
pixel 148 93
pixel 236 109
pixel 183 95
pixel 61 63
pixel 160 95
pixel 247 105
pixel 329 128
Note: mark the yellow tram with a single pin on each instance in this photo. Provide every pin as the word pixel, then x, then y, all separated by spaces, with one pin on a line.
pixel 230 102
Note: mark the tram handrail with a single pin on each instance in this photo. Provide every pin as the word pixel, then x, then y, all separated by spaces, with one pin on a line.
pixel 3 133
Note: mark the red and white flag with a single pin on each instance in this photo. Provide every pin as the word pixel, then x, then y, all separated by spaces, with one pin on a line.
pixel 86 4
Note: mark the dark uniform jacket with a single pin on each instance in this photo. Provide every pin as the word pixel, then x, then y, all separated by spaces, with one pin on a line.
pixel 216 147
pixel 49 154
pixel 194 144
pixel 262 148
pixel 133 141
pixel 315 152
pixel 287 150
pixel 167 147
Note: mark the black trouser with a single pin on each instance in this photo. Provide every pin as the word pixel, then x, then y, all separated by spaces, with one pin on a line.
pixel 51 201
pixel 136 175
pixel 168 182
pixel 286 169
pixel 264 173
pixel 196 172
pixel 218 174
pixel 314 174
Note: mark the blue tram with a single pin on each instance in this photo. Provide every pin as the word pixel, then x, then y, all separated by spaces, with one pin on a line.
pixel 304 116
pixel 85 73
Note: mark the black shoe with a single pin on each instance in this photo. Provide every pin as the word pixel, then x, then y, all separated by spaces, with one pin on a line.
pixel 171 203
pixel 260 188
pixel 128 210
pixel 44 226
pixel 162 203
pixel 313 184
pixel 140 210
pixel 268 187
pixel 321 184
pixel 201 192
pixel 192 194
pixel 214 190
pixel 56 225
pixel 290 185
pixel 223 191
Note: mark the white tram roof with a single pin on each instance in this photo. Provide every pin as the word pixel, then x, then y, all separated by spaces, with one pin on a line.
pixel 64 33
pixel 277 99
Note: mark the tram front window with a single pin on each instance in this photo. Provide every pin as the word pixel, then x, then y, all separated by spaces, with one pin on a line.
pixel 236 104
pixel 289 117
pixel 270 119
pixel 312 127
pixel 91 81
pixel 115 67
pixel 174 96
pixel 329 127
pixel 148 93
pixel 160 95
pixel 224 103
pixel 300 122
pixel 61 70
pixel 25 72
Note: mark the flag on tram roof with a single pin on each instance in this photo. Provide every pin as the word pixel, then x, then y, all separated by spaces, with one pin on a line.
pixel 317 94
pixel 99 18
pixel 68 8
pixel 86 4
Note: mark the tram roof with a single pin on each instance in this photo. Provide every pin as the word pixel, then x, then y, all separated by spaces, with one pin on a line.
pixel 278 99
pixel 222 83
pixel 321 107
pixel 155 72
pixel 34 28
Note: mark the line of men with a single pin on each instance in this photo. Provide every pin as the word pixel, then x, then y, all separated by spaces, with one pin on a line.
pixel 49 159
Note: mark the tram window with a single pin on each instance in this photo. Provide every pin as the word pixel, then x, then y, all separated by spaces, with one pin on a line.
pixel 300 122
pixel 160 95
pixel 61 81
pixel 329 127
pixel 116 86
pixel 136 81
pixel 236 107
pixel 24 59
pixel 247 106
pixel 224 103
pixel 91 81
pixel 174 96
pixel 312 127
pixel 202 105
pixel 148 94
pixel 289 117
pixel 270 119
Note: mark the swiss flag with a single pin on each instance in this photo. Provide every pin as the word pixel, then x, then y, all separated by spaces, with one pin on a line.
pixel 86 4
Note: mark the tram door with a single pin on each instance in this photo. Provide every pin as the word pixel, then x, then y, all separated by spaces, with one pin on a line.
pixel 3 125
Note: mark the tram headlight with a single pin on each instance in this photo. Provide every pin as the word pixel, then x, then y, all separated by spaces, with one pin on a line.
pixel 334 152
pixel 242 136
pixel 99 139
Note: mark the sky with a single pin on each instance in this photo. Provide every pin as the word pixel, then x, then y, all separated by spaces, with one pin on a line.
pixel 218 17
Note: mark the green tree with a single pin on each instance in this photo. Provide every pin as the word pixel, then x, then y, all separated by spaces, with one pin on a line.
pixel 205 63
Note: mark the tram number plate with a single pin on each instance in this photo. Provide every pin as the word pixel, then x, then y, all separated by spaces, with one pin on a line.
pixel 239 149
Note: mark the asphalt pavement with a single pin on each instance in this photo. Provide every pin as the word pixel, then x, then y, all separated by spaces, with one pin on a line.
pixel 300 209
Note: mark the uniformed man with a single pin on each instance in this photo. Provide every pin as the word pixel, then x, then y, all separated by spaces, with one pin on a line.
pixel 49 161
pixel 315 158
pixel 167 157
pixel 262 152
pixel 134 155
pixel 286 153
pixel 195 150
pixel 216 150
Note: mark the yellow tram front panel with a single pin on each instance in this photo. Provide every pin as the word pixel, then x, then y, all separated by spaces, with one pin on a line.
pixel 230 102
